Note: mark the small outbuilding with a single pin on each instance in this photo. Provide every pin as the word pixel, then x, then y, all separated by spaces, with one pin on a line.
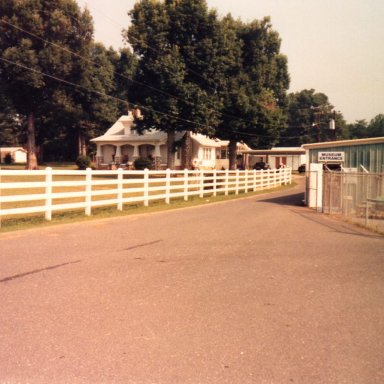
pixel 17 154
pixel 276 157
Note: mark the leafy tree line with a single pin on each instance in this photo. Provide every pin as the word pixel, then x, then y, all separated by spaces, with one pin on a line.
pixel 54 78
pixel 308 120
pixel 188 69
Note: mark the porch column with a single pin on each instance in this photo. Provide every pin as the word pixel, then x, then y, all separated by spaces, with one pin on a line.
pixel 157 156
pixel 118 154
pixel 135 151
pixel 99 155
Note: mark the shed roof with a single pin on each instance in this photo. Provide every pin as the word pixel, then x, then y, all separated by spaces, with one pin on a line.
pixel 277 151
pixel 12 149
pixel 343 143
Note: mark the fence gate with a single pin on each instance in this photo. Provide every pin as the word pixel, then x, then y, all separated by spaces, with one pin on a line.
pixel 332 192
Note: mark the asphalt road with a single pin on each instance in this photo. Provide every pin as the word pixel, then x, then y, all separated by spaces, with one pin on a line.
pixel 258 290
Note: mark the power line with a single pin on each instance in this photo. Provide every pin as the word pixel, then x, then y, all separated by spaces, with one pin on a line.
pixel 90 61
pixel 119 74
pixel 98 92
pixel 124 101
pixel 112 21
pixel 127 78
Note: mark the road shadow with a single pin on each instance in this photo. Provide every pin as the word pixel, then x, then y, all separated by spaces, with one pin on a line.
pixel 291 200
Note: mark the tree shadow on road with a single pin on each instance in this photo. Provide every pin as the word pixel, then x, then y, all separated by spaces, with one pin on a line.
pixel 293 200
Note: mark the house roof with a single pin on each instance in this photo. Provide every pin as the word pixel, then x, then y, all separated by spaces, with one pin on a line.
pixel 277 151
pixel 116 134
pixel 150 135
pixel 342 143
pixel 205 141
pixel 12 149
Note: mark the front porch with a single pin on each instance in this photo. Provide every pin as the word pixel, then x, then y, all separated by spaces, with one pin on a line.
pixel 113 156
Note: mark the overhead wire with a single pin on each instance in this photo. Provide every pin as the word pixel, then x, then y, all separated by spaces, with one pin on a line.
pixel 119 74
pixel 127 78
pixel 98 92
pixel 121 100
pixel 113 22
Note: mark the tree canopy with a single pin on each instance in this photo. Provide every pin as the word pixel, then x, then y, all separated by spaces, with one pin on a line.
pixel 199 72
pixel 187 68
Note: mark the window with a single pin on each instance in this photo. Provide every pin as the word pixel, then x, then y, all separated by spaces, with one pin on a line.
pixel 207 153
pixel 224 153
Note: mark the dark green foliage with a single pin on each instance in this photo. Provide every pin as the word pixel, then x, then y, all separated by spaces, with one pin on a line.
pixel 26 30
pixel 254 92
pixel 8 159
pixel 55 37
pixel 361 129
pixel 142 163
pixel 216 76
pixel 376 126
pixel 358 130
pixel 83 162
pixel 308 118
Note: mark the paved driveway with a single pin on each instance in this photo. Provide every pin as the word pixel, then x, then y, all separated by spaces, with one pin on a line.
pixel 259 290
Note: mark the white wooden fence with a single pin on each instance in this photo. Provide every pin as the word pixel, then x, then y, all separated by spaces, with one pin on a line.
pixel 47 191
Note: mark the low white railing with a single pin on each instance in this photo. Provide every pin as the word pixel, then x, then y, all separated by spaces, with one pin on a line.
pixel 26 192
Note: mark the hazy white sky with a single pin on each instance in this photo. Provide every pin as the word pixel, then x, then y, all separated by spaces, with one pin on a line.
pixel 333 46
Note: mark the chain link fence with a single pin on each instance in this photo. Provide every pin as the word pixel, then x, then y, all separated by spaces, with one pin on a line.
pixel 357 197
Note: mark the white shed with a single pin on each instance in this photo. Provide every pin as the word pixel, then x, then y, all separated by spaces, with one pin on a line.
pixel 18 154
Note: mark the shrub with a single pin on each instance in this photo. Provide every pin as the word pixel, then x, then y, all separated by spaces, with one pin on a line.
pixel 8 159
pixel 142 162
pixel 84 162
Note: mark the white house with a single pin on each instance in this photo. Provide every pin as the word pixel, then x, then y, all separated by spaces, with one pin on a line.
pixel 18 154
pixel 276 157
pixel 121 145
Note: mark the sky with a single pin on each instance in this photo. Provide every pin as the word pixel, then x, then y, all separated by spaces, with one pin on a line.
pixel 333 46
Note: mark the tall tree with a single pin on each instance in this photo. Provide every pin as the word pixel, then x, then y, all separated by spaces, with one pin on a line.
pixel 98 107
pixel 309 115
pixel 254 92
pixel 358 129
pixel 218 77
pixel 174 41
pixel 125 66
pixel 27 30
pixel 376 126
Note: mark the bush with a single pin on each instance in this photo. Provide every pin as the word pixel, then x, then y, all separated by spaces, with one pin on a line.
pixel 84 162
pixel 142 162
pixel 8 159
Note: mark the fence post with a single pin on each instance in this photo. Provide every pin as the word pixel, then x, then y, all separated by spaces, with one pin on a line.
pixel 168 186
pixel 366 200
pixel 226 181
pixel 246 180
pixel 146 187
pixel 254 180
pixel 201 183
pixel 48 193
pixel 120 189
pixel 237 182
pixel 88 191
pixel 186 184
pixel 214 182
